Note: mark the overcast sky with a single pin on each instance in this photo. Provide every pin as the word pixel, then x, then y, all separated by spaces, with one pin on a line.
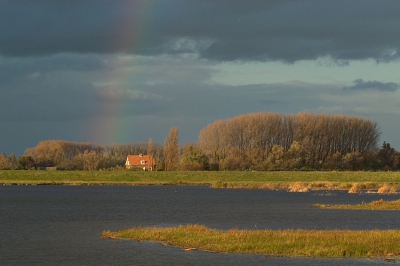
pixel 122 71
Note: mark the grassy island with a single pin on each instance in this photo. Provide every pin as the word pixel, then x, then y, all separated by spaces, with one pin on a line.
pixel 292 243
pixel 375 205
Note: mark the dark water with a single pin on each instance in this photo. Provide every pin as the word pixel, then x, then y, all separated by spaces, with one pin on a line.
pixel 61 225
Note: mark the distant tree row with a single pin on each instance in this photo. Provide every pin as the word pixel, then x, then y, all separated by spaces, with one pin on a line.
pixel 257 141
pixel 66 155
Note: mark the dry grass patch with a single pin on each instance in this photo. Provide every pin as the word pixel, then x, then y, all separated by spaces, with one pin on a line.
pixel 356 188
pixel 298 187
pixel 307 243
pixel 387 189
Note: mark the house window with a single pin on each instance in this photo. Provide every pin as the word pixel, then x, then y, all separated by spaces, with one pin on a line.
pixel 143 162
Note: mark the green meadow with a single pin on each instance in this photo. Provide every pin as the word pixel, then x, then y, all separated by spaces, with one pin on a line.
pixel 292 243
pixel 293 181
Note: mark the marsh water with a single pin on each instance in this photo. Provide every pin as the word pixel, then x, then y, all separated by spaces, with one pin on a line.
pixel 61 225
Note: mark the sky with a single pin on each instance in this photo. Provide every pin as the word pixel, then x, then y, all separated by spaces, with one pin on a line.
pixel 124 71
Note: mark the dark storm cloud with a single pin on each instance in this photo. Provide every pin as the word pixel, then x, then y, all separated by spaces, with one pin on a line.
pixel 222 30
pixel 50 88
pixel 361 85
pixel 46 100
pixel 17 70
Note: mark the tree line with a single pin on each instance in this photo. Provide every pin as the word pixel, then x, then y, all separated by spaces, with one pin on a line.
pixel 67 155
pixel 256 141
pixel 271 141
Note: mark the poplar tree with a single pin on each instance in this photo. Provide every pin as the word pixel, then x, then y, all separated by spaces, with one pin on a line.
pixel 4 164
pixel 171 150
pixel 150 151
pixel 166 155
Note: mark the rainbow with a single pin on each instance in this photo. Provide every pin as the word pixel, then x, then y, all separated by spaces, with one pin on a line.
pixel 133 30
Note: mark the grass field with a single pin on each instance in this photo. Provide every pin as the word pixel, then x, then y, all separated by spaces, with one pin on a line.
pixel 293 181
pixel 292 243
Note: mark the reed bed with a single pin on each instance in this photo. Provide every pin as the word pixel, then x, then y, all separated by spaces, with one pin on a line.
pixel 369 187
pixel 292 243
pixel 374 205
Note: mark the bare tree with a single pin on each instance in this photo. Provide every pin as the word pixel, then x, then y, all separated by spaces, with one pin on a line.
pixel 4 162
pixel 171 150
pixel 91 160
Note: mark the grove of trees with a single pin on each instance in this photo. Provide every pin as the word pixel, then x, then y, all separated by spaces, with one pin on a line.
pixel 256 141
pixel 271 141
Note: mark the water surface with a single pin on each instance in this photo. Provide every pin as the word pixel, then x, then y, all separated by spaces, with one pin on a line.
pixel 61 225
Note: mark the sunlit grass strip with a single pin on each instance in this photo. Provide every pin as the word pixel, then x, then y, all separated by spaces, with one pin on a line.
pixel 375 205
pixel 291 243
pixel 356 182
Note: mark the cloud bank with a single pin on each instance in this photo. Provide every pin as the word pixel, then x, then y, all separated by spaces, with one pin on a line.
pixel 221 30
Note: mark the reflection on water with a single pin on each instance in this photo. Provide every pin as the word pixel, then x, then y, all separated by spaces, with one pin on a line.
pixel 60 225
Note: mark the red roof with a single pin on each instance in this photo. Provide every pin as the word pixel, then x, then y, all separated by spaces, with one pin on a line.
pixel 140 160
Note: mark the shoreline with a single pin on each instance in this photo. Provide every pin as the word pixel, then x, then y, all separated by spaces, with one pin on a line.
pixel 295 187
pixel 296 181
pixel 94 183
